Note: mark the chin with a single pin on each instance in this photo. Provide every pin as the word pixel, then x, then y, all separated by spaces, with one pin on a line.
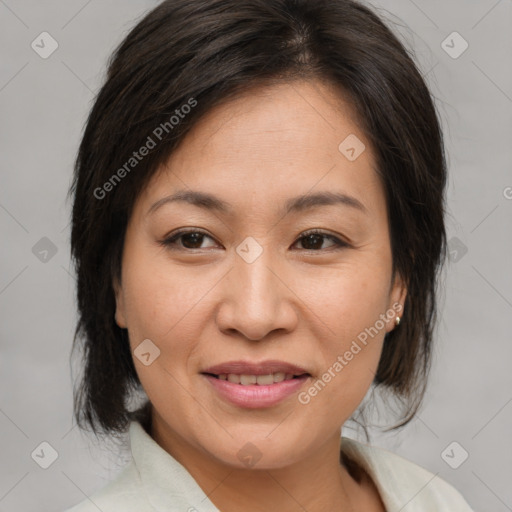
pixel 256 450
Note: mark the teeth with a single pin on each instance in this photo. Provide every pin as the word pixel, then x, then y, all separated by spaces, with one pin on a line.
pixel 261 380
pixel 235 379
pixel 265 380
pixel 245 380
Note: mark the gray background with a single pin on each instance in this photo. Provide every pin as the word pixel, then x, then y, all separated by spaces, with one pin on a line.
pixel 44 103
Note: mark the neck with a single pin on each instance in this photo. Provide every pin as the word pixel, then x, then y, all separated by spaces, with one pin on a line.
pixel 317 483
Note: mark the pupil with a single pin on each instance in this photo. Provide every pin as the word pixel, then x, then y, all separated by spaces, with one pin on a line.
pixel 312 238
pixel 193 241
pixel 194 238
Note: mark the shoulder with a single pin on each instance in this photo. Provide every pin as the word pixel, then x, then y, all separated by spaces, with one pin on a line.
pixel 402 482
pixel 122 494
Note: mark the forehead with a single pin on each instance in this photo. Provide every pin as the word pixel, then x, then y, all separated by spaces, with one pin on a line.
pixel 270 144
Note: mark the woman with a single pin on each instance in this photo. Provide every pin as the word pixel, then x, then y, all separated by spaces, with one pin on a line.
pixel 257 231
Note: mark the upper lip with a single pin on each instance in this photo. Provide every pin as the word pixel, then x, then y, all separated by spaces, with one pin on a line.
pixel 249 368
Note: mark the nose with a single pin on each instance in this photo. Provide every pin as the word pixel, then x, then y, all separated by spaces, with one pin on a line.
pixel 257 299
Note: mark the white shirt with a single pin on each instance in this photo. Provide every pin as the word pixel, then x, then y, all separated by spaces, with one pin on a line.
pixel 153 481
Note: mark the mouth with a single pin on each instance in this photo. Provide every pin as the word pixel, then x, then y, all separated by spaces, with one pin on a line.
pixel 264 373
pixel 260 380
pixel 256 385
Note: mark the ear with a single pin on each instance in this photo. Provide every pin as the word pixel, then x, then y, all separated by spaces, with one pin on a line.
pixel 397 296
pixel 120 307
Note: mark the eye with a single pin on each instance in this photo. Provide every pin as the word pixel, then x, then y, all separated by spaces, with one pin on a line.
pixel 191 239
pixel 313 240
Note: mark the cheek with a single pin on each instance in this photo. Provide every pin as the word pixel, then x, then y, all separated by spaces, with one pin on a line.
pixel 350 306
pixel 160 308
pixel 169 307
pixel 348 300
pixel 158 297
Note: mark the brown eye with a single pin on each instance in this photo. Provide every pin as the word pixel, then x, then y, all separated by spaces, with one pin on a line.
pixel 310 241
pixel 189 240
pixel 314 240
pixel 192 240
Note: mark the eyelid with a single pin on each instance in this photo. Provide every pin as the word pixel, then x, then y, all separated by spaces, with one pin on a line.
pixel 339 242
pixel 171 239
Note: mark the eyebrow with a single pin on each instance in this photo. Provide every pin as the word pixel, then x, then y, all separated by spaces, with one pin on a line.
pixel 295 204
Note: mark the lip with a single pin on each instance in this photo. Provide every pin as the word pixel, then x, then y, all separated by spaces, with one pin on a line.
pixel 250 368
pixel 255 396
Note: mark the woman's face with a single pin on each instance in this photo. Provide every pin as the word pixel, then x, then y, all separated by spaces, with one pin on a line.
pixel 253 285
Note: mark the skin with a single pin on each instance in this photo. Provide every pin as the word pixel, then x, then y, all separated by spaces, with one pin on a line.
pixel 202 304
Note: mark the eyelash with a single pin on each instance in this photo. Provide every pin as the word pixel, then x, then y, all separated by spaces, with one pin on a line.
pixel 170 241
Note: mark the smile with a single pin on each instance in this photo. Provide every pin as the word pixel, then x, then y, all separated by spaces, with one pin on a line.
pixel 255 391
pixel 260 380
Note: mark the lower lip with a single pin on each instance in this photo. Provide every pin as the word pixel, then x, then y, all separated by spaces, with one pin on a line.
pixel 255 396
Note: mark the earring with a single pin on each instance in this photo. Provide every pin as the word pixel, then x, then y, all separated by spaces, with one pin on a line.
pixel 397 320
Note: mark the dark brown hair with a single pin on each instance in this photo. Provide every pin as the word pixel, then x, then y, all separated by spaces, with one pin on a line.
pixel 204 53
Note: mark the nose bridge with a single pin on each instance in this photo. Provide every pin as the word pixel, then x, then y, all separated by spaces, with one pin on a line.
pixel 256 299
pixel 257 283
